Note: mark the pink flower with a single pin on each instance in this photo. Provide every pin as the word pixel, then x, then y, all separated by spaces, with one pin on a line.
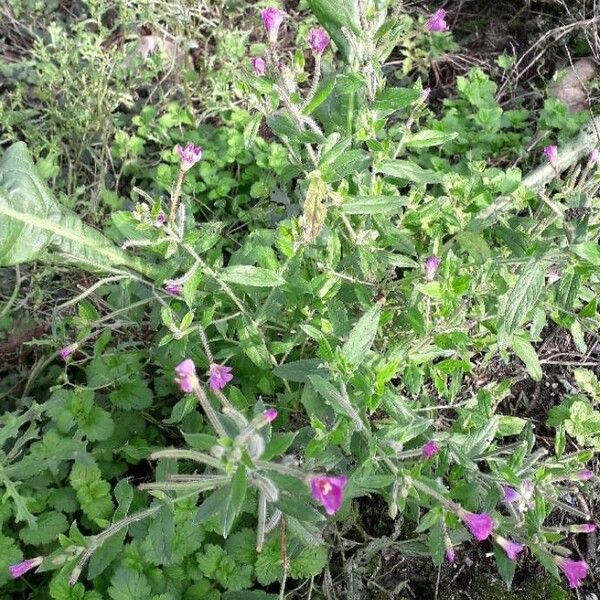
pixel 259 65
pixel 437 22
pixel 431 264
pixel 270 414
pixel 189 156
pixel 23 567
pixel 480 525
pixel 425 94
pixel 551 154
pixel 318 40
pixel 219 376
pixel 510 494
pixel 272 19
pixel 575 570
pixel 329 491
pixel 583 528
pixel 185 376
pixel 65 352
pixel 173 288
pixel 512 549
pixel 554 275
pixel 450 554
pixel 161 219
pixel 582 475
pixel 430 449
pixel 595 157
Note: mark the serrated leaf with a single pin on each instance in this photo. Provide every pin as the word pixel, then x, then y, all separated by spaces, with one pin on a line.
pixel 49 525
pixel 251 276
pixel 127 584
pixel 361 337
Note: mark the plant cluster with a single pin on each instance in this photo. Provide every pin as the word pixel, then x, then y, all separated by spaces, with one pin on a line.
pixel 325 315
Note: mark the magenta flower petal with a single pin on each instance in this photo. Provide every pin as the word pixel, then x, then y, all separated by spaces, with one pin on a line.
pixel 259 65
pixel 65 352
pixel 510 494
pixel 189 156
pixel 583 528
pixel 21 568
pixel 173 288
pixel 437 21
pixel 574 570
pixel 551 154
pixel 450 554
pixel 432 264
pixel 270 414
pixel 595 157
pixel 185 376
pixel 430 449
pixel 582 475
pixel 219 376
pixel 161 219
pixel 272 19
pixel 512 549
pixel 318 40
pixel 480 525
pixel 329 491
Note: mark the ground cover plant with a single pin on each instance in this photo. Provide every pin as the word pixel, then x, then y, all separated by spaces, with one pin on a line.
pixel 297 345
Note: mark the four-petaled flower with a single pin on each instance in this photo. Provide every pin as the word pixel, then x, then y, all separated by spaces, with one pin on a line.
pixel 512 549
pixel 259 65
pixel 575 570
pixel 430 449
pixel 185 376
pixel 437 21
pixel 432 264
pixel 272 19
pixel 189 156
pixel 480 525
pixel 318 40
pixel 219 376
pixel 551 154
pixel 329 491
pixel 23 567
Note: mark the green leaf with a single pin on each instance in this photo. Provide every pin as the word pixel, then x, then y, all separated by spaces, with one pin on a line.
pixel 361 337
pixel 251 276
pixel 394 98
pixel 506 567
pixel 522 297
pixel 309 563
pixel 278 444
pixel 404 169
pixel 49 525
pixel 374 205
pixel 526 352
pixel 127 584
pixel 425 138
pixel 33 222
pixel 299 371
pixel 132 395
pixel 162 533
pixel 325 88
pixel 237 493
pixel 211 506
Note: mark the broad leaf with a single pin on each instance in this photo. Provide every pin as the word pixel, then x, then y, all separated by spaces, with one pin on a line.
pixel 33 223
pixel 374 205
pixel 429 137
pixel 361 337
pixel 404 169
pixel 251 276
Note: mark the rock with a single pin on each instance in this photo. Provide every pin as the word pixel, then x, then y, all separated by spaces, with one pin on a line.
pixel 569 85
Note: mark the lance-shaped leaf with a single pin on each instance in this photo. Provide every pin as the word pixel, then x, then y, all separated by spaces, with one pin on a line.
pixel 33 223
